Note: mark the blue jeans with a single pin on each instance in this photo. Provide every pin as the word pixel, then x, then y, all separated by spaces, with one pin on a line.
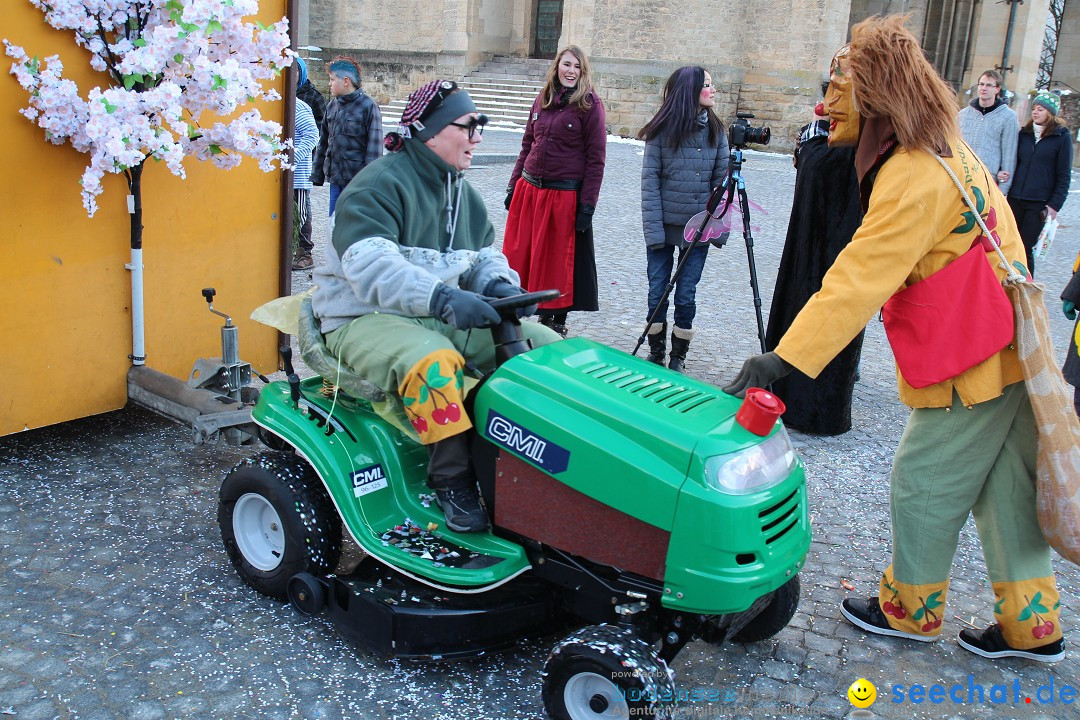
pixel 660 263
pixel 335 190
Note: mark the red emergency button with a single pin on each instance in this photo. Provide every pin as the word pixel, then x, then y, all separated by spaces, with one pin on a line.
pixel 759 411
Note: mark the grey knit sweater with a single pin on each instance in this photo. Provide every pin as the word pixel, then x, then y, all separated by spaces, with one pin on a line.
pixel 993 137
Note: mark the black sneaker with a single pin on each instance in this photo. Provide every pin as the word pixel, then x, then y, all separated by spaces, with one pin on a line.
pixel 462 509
pixel 990 643
pixel 866 614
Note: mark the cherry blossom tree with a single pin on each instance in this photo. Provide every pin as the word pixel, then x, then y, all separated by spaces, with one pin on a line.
pixel 168 64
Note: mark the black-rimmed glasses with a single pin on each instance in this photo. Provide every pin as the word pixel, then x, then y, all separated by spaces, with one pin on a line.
pixel 474 126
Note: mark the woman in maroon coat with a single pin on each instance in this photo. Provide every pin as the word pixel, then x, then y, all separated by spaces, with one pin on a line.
pixel 553 191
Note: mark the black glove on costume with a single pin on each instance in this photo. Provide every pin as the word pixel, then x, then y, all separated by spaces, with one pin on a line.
pixel 463 309
pixel 758 371
pixel 584 218
pixel 500 288
pixel 509 199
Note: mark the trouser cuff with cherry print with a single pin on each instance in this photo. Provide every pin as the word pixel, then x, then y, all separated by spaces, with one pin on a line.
pixel 1027 611
pixel 432 393
pixel 915 609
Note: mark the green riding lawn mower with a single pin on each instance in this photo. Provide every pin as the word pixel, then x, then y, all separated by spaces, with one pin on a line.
pixel 628 505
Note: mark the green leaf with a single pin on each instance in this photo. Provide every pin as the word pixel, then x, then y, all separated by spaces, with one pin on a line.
pixel 34 65
pixel 1039 607
pixel 917 615
pixel 997 606
pixel 1024 615
pixel 423 394
pixel 980 201
pixel 214 26
pixel 139 42
pixel 109 107
pixel 182 35
pixel 408 400
pixel 261 26
pixel 433 372
pixel 459 378
pixel 188 27
pixel 967 225
pixel 932 601
pixel 1037 598
pixel 439 382
pixel 130 80
pixel 216 150
pixel 219 83
pixel 174 5
pixel 178 58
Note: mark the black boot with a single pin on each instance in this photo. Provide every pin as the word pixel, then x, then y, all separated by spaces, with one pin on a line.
pixel 560 324
pixel 680 341
pixel 555 322
pixel 657 337
pixel 452 476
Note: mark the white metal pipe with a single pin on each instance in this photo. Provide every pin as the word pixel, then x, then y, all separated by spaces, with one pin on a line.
pixel 138 340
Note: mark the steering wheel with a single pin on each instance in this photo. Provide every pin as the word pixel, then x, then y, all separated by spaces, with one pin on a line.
pixel 507 307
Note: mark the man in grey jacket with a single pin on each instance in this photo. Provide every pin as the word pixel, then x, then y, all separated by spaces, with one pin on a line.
pixel 991 129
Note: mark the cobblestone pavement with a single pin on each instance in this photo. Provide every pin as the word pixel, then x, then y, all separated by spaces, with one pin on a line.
pixel 118 600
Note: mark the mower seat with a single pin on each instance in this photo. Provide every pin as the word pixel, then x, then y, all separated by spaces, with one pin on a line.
pixel 319 358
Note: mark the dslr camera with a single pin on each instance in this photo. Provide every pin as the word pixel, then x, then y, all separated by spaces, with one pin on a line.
pixel 740 133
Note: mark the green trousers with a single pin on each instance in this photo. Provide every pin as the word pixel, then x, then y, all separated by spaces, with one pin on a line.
pixel 978 460
pixel 422 360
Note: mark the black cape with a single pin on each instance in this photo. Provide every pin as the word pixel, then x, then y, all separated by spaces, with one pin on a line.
pixel 824 215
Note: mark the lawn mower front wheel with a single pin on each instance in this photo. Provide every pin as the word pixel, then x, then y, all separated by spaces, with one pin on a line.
pixel 603 671
pixel 775 616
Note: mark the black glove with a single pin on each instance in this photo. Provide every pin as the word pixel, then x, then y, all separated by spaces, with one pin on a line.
pixel 462 309
pixel 758 371
pixel 584 218
pixel 509 198
pixel 501 288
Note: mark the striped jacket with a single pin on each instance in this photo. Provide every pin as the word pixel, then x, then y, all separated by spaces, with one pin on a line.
pixel 305 140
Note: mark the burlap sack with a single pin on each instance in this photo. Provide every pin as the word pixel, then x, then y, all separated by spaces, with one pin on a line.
pixel 1058 472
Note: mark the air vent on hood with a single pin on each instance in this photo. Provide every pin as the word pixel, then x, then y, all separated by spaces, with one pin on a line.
pixel 663 392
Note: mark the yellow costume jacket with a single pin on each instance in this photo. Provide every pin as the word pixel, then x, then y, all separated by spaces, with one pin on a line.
pixel 914 226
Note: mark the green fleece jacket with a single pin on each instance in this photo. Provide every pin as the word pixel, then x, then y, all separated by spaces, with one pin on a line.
pixel 405 224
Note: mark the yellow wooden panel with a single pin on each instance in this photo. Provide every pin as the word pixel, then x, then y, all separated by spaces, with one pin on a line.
pixel 66 316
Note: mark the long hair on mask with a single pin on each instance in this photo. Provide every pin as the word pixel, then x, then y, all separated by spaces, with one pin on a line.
pixel 892 78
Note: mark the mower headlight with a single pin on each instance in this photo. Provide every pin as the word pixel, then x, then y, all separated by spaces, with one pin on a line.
pixel 753 469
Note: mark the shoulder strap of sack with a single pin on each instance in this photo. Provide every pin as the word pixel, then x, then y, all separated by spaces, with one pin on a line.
pixel 1011 272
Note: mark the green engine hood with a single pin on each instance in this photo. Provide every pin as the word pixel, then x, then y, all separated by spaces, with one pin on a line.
pixel 610 425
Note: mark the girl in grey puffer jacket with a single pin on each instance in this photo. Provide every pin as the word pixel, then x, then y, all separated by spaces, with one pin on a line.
pixel 686 156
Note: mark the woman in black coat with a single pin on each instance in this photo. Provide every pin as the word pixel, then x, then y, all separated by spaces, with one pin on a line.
pixel 825 213
pixel 1043 164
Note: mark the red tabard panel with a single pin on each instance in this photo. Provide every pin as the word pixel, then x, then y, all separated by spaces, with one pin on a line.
pixel 534 504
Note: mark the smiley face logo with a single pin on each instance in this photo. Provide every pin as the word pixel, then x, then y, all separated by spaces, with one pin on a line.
pixel 862 693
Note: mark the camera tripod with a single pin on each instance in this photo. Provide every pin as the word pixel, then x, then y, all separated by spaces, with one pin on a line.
pixel 734 185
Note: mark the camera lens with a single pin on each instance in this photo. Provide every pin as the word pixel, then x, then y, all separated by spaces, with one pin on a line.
pixel 758 136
